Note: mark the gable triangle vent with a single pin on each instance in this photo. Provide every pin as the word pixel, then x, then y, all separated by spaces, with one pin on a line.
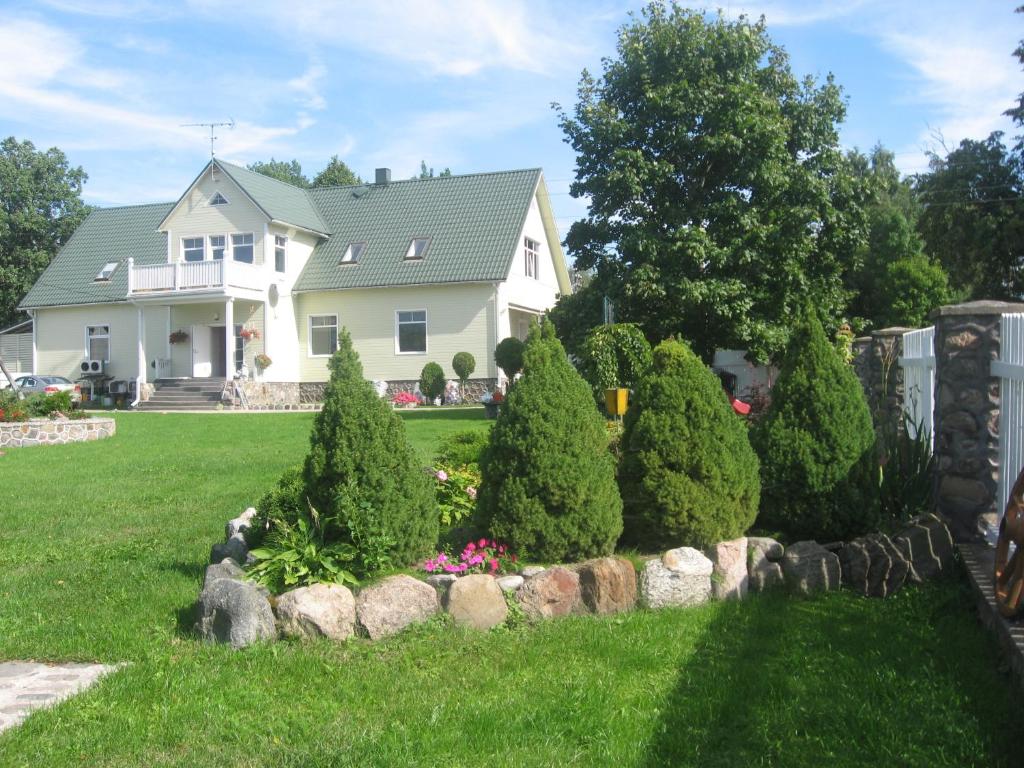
pixel 218 199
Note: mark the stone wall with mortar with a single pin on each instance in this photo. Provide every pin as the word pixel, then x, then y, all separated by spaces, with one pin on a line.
pixel 876 363
pixel 24 434
pixel 313 392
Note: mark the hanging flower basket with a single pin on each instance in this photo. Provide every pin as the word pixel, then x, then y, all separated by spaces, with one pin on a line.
pixel 263 361
pixel 249 333
pixel 178 337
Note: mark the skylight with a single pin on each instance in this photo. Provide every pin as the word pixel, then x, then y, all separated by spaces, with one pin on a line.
pixel 107 272
pixel 353 253
pixel 218 199
pixel 417 248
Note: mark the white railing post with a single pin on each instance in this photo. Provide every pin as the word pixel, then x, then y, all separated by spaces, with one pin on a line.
pixel 177 275
pixel 918 363
pixel 131 269
pixel 1010 370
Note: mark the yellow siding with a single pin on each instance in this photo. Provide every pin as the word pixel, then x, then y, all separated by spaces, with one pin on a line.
pixel 460 318
pixel 60 338
pixel 185 316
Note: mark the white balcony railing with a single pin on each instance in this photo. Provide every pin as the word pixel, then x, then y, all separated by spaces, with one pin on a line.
pixel 181 276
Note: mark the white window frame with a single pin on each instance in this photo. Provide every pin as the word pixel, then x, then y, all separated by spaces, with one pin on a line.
pixel 531 253
pixel 231 240
pixel 104 276
pixel 211 247
pixel 426 331
pixel 281 245
pixel 412 249
pixel 346 257
pixel 222 197
pixel 309 333
pixel 88 338
pixel 202 239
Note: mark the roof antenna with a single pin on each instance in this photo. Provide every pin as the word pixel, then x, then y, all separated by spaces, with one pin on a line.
pixel 211 126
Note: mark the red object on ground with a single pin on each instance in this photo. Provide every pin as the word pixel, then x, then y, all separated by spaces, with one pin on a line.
pixel 739 406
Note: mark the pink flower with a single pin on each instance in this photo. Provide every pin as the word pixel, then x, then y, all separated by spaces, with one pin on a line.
pixel 482 543
pixel 442 475
pixel 441 557
pixel 470 547
pixel 494 564
pixel 471 491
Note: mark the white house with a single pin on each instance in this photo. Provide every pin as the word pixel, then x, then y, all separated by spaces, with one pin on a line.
pixel 243 266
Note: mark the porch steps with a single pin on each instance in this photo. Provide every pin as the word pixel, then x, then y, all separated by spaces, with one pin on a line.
pixel 184 395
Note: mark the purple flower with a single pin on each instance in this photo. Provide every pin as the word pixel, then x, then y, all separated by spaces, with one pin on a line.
pixel 442 475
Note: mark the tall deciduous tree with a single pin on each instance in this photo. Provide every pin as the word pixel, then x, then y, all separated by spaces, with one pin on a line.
pixel 40 207
pixel 336 174
pixel 428 173
pixel 1017 112
pixel 289 172
pixel 719 198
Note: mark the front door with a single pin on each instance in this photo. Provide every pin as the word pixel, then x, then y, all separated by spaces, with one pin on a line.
pixel 202 351
pixel 218 348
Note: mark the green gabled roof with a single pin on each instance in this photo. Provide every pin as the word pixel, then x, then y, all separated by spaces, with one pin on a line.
pixel 278 200
pixel 473 223
pixel 106 235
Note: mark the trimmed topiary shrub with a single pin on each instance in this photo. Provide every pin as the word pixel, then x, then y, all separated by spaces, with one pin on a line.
pixel 819 472
pixel 509 356
pixel 616 355
pixel 688 474
pixel 548 481
pixel 362 475
pixel 432 381
pixel 463 364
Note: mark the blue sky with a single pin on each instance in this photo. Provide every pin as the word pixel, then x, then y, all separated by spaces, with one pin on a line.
pixel 465 84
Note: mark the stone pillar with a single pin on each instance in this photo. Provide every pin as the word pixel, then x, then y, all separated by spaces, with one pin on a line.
pixel 967 414
pixel 877 364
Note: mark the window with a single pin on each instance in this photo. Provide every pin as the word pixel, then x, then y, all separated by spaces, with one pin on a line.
pixel 280 247
pixel 217 247
pixel 97 342
pixel 532 262
pixel 417 248
pixel 218 199
pixel 323 335
pixel 353 253
pixel 193 248
pixel 107 272
pixel 411 333
pixel 242 247
pixel 239 348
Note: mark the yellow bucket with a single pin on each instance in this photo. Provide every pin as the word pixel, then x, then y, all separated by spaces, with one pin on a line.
pixel 616 401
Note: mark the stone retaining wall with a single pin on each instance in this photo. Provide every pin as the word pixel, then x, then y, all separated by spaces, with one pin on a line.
pixel 23 434
pixel 313 392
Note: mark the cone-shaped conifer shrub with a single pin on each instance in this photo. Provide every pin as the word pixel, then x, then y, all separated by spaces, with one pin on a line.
pixel 548 484
pixel 816 442
pixel 361 474
pixel 688 474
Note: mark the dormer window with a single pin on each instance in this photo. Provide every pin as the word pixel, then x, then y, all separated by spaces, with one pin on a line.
pixel 218 199
pixel 107 272
pixel 417 248
pixel 353 253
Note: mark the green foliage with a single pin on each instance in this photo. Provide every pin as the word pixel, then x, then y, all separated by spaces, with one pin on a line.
pixel 908 466
pixel 428 173
pixel 40 207
pixel 463 364
pixel 509 355
pixel 35 406
pixel 289 172
pixel 463 448
pixel 911 289
pixel 336 174
pixel 285 503
pixel 614 356
pixel 548 487
pixel 455 489
pixel 432 381
pixel 720 201
pixel 1016 113
pixel 688 474
pixel 575 314
pixel 819 470
pixel 361 473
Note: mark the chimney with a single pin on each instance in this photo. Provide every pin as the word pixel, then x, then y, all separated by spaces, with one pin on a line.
pixel 383 177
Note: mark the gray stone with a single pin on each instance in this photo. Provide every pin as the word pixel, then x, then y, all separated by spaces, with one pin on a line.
pixel 532 570
pixel 240 524
pixel 763 574
pixel 679 577
pixel 441 581
pixel 927 545
pixel 772 549
pixel 729 574
pixel 235 548
pixel 511 583
pixel 555 592
pixel 808 568
pixel 393 604
pixel 225 569
pixel 319 610
pixel 873 565
pixel 476 601
pixel 607 585
pixel 234 612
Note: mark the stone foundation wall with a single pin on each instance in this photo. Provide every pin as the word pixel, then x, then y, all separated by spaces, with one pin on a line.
pixel 876 363
pixel 24 434
pixel 313 392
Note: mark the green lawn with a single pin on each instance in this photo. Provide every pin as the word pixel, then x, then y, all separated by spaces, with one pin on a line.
pixel 102 548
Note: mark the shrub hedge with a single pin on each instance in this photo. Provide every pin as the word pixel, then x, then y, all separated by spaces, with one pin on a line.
pixel 432 381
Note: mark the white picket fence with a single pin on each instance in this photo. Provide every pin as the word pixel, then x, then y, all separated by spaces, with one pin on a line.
pixel 1010 370
pixel 918 363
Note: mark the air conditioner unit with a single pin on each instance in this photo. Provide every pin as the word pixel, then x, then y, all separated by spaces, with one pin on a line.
pixel 92 366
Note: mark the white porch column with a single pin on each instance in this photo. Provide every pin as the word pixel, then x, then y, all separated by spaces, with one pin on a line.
pixel 229 331
pixel 142 349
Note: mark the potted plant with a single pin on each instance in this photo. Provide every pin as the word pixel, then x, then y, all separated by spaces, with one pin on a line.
pixel 262 361
pixel 178 337
pixel 405 400
pixel 249 334
pixel 492 401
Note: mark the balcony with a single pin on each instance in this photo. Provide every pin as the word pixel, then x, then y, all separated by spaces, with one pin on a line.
pixel 219 278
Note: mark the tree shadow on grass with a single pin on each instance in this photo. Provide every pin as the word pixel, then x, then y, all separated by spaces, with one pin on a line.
pixel 840 680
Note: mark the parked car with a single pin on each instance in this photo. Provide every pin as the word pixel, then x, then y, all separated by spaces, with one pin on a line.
pixel 31 383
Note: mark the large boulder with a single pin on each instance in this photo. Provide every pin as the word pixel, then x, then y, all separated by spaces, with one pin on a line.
pixel 927 545
pixel 762 573
pixel 873 565
pixel 607 584
pixel 225 569
pixel 476 601
pixel 235 548
pixel 393 604
pixel 511 582
pixel 808 568
pixel 769 547
pixel 319 610
pixel 729 574
pixel 239 524
pixel 679 577
pixel 553 592
pixel 235 612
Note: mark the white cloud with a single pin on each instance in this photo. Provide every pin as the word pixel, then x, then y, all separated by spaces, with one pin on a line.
pixel 795 13
pixel 306 86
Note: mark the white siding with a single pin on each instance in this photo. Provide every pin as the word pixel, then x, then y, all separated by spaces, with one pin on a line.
pixel 60 336
pixel 533 293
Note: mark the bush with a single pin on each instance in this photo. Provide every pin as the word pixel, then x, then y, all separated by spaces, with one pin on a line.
pixel 819 470
pixel 463 448
pixel 463 364
pixel 548 481
pixel 688 474
pixel 614 356
pixel 35 406
pixel 509 356
pixel 908 467
pixel 432 381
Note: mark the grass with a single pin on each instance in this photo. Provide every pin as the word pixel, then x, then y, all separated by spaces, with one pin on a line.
pixel 102 549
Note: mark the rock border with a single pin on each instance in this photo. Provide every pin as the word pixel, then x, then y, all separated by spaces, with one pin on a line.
pixel 28 434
